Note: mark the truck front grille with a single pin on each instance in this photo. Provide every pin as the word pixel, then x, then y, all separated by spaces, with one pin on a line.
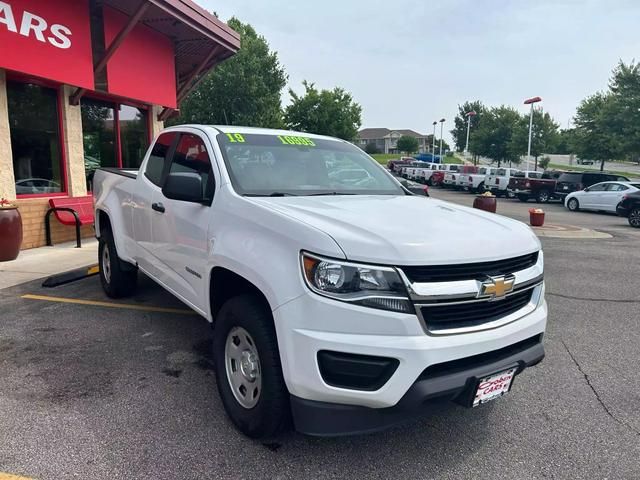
pixel 471 314
pixel 468 271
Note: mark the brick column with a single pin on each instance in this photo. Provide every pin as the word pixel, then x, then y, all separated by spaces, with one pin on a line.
pixel 7 180
pixel 73 145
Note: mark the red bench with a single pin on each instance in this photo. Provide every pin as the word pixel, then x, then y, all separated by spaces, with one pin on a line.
pixel 76 211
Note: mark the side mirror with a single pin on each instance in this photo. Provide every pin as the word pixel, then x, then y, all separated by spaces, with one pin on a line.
pixel 585 189
pixel 185 186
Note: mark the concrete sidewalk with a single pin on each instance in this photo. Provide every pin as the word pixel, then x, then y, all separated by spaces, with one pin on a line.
pixel 46 261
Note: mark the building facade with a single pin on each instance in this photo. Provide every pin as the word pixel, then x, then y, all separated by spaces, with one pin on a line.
pixel 87 84
pixel 385 140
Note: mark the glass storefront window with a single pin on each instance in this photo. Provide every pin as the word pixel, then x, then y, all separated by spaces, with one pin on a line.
pixel 35 138
pixel 133 135
pixel 98 136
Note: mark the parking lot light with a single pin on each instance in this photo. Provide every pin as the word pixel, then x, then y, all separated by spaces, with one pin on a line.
pixel 442 120
pixel 433 148
pixel 530 101
pixel 468 115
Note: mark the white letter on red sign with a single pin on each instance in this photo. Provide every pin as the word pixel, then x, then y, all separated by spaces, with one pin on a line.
pixel 60 37
pixel 35 23
pixel 6 17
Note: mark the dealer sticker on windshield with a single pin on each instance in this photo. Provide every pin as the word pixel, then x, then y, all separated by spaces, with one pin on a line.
pixel 493 386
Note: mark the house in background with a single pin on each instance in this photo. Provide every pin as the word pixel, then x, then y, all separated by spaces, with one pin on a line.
pixel 386 140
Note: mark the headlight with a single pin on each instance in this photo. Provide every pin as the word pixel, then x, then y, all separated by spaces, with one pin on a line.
pixel 366 285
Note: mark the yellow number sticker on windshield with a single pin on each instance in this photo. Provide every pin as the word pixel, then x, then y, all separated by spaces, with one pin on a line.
pixel 291 140
pixel 235 137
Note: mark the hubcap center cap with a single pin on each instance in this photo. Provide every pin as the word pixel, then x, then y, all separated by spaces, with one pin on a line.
pixel 248 365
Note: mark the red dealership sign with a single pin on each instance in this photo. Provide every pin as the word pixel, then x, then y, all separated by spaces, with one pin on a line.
pixel 47 39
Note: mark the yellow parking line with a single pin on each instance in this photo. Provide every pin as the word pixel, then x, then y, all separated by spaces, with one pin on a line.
pixel 95 303
pixel 8 476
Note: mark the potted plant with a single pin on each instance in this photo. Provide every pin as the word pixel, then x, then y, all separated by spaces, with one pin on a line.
pixel 10 231
pixel 487 202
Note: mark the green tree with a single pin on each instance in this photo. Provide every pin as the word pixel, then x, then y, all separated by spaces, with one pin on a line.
pixel 459 132
pixel 566 141
pixel 544 136
pixel 544 162
pixel 325 112
pixel 492 138
pixel 371 148
pixel 407 144
pixel 593 137
pixel 623 110
pixel 244 90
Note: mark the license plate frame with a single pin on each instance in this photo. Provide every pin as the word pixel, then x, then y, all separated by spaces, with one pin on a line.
pixel 493 386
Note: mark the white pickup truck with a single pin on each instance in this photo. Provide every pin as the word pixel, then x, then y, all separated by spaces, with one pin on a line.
pixel 475 182
pixel 498 181
pixel 346 305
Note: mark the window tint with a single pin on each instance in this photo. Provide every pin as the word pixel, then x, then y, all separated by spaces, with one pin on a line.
pixel 616 187
pixel 535 175
pixel 600 187
pixel 482 171
pixel 501 172
pixel 155 164
pixel 191 156
pixel 35 139
pixel 133 135
pixel 98 136
pixel 453 168
pixel 570 177
pixel 518 174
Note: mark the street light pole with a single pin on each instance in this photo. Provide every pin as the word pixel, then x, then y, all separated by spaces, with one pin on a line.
pixel 433 148
pixel 441 127
pixel 530 101
pixel 469 115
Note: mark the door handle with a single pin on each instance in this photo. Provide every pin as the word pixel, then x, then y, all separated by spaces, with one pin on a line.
pixel 158 207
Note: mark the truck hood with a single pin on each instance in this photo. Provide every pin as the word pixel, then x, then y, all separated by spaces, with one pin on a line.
pixel 408 230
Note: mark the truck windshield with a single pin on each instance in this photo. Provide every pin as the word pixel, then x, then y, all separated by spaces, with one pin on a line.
pixel 287 165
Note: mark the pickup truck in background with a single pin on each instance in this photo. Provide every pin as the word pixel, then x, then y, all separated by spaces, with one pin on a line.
pixel 539 186
pixel 475 182
pixel 396 165
pixel 423 175
pixel 342 302
pixel 498 181
pixel 437 177
pixel 452 177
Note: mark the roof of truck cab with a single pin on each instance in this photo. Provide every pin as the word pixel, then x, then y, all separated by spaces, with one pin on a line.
pixel 265 131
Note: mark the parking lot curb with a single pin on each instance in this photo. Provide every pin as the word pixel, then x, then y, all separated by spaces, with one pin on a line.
pixel 71 276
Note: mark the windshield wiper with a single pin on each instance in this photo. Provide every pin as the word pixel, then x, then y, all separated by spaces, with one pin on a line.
pixel 329 193
pixel 273 194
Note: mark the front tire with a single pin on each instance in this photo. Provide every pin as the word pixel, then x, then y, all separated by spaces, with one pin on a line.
pixel 634 217
pixel 119 279
pixel 248 369
pixel 573 204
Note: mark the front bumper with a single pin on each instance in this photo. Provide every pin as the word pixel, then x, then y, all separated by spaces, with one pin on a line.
pixel 430 393
pixel 311 323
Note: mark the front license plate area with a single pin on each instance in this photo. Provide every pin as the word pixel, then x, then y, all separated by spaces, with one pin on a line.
pixel 493 386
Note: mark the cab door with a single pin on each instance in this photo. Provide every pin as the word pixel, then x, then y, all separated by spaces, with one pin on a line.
pixel 180 229
pixel 612 196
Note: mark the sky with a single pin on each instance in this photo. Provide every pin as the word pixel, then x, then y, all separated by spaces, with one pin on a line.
pixel 410 62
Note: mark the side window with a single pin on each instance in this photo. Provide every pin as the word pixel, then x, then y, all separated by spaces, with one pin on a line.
pixel 616 187
pixel 600 187
pixel 156 162
pixel 191 156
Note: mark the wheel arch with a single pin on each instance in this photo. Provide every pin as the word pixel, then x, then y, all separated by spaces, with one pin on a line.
pixel 225 284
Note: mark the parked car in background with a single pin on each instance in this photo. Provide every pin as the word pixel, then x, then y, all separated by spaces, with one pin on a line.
pixel 603 196
pixel 28 186
pixel 520 184
pixel 437 177
pixel 415 169
pixel 451 175
pixel 498 180
pixel 581 161
pixel 630 207
pixel 461 178
pixel 424 174
pixel 541 189
pixel 475 181
pixel 570 182
pixel 396 165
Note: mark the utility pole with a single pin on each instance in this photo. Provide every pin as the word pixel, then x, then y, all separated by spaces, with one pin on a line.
pixel 433 148
pixel 441 127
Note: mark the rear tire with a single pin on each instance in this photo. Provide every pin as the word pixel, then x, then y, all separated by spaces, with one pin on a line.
pixel 258 406
pixel 634 217
pixel 573 204
pixel 118 278
pixel 543 196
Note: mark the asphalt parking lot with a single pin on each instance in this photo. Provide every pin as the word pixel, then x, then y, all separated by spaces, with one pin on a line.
pixel 95 390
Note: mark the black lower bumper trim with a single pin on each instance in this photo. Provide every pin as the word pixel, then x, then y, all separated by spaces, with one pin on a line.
pixel 425 397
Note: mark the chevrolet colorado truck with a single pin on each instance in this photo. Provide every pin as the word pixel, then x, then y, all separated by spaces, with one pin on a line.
pixel 343 306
